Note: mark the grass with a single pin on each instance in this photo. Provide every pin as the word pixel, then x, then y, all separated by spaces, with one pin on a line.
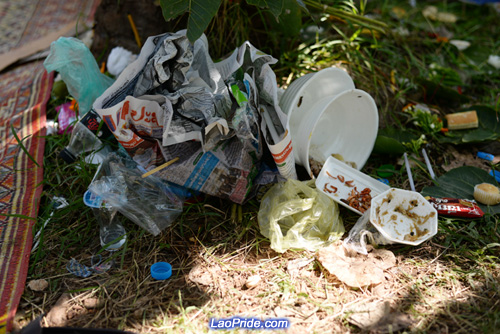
pixel 450 284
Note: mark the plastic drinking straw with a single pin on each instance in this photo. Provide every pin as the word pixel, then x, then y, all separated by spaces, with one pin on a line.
pixel 428 164
pixel 408 170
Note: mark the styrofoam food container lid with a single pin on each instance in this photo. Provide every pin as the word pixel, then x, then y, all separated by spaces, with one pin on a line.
pixel 329 177
pixel 404 216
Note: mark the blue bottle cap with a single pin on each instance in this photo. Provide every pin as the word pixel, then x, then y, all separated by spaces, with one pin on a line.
pixel 485 156
pixel 161 270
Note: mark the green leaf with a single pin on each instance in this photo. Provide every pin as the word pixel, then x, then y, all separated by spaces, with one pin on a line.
pixel 275 6
pixel 488 129
pixel 444 75
pixel 459 183
pixel 172 9
pixel 388 145
pixel 290 21
pixel 201 12
pixel 303 6
pixel 390 141
pixel 401 135
pixel 477 53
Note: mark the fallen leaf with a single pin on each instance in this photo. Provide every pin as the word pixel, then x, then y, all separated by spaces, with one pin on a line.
pixel 57 316
pixel 379 290
pixel 38 284
pixel 356 270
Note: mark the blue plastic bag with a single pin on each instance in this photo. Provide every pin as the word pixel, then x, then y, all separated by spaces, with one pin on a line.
pixel 79 70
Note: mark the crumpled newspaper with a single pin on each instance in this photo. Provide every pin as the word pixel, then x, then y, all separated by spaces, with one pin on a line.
pixel 174 102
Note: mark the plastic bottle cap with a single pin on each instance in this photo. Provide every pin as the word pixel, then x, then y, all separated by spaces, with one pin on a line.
pixel 161 270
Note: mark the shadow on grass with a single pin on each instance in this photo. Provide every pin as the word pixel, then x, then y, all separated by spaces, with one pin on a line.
pixel 127 297
pixel 445 291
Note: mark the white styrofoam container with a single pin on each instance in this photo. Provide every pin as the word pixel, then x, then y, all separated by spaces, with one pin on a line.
pixel 404 216
pixel 335 167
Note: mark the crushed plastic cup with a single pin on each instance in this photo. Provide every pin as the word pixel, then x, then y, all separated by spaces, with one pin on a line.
pixel 404 216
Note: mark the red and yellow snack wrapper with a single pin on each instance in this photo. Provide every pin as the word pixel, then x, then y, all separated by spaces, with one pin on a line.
pixel 456 207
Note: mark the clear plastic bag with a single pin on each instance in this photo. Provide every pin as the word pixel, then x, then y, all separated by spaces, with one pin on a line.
pixel 79 70
pixel 294 214
pixel 362 232
pixel 148 202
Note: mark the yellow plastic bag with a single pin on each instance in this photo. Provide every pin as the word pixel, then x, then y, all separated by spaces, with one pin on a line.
pixel 296 215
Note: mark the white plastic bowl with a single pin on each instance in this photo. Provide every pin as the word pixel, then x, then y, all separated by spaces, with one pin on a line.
pixel 404 216
pixel 327 115
pixel 305 91
pixel 346 124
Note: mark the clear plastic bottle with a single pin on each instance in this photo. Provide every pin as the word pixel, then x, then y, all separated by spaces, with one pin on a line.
pixel 111 232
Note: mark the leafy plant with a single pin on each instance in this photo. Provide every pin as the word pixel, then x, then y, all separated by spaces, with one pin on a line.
pixel 425 120
pixel 414 145
pixel 201 12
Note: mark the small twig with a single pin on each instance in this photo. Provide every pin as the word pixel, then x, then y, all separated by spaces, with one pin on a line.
pixel 134 29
